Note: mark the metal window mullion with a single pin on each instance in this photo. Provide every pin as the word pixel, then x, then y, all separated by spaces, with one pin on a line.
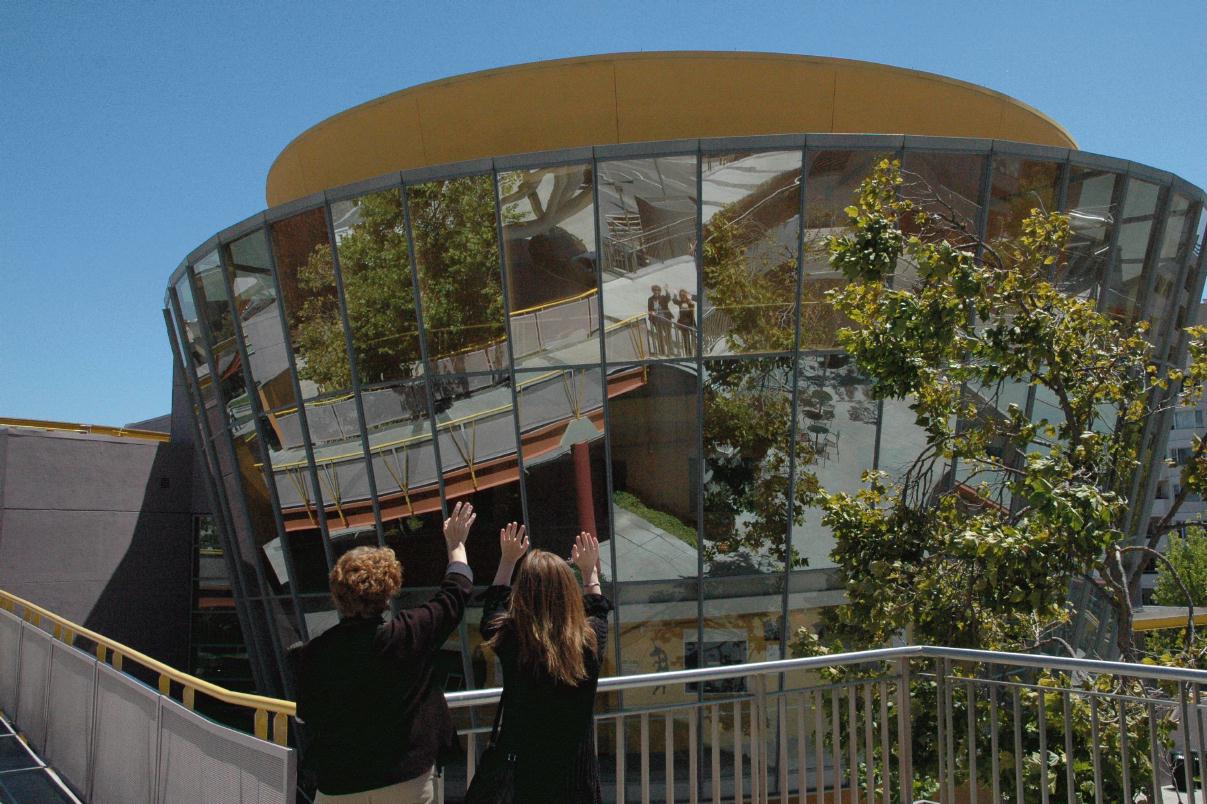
pixel 1152 254
pixel 207 343
pixel 1160 439
pixel 316 488
pixel 793 426
pixel 221 505
pixel 699 262
pixel 354 376
pixel 986 198
pixel 257 422
pixel 515 400
pixel 607 416
pixel 424 356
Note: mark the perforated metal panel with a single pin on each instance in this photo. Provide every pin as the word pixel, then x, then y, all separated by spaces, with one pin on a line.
pixel 10 638
pixel 200 761
pixel 31 695
pixel 69 716
pixel 125 739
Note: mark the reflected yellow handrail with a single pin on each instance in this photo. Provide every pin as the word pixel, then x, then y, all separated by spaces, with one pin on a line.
pixel 92 429
pixel 118 654
pixel 536 308
pixel 444 425
pixel 375 448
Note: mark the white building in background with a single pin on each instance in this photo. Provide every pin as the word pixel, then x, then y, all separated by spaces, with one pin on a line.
pixel 1187 423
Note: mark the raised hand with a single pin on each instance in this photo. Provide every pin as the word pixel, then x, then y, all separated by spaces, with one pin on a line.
pixel 585 555
pixel 456 527
pixel 513 543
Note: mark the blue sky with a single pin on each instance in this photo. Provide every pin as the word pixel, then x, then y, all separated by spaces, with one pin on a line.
pixel 131 132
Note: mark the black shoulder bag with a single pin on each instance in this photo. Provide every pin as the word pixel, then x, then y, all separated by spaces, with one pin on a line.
pixel 494 779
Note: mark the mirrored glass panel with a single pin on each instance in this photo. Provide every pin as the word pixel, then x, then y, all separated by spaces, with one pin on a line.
pixel 947 186
pixel 831 185
pixel 1174 248
pixel 307 276
pixel 305 271
pixel 561 417
pixel 550 259
pixel 1092 206
pixel 250 266
pixel 647 224
pixel 747 434
pixel 479 460
pixel 1019 186
pixel 1125 276
pixel 751 218
pixel 261 545
pixel 375 265
pixel 654 439
pixel 457 251
pixel 836 421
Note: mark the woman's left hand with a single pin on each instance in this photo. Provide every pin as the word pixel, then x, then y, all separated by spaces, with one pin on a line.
pixel 585 554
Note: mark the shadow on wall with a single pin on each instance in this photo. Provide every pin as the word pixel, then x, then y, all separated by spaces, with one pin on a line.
pixel 147 601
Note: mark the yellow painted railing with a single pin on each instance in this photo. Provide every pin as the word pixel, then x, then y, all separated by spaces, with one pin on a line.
pixel 120 655
pixel 91 429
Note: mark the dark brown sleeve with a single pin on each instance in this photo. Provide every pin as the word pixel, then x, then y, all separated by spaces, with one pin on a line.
pixel 423 628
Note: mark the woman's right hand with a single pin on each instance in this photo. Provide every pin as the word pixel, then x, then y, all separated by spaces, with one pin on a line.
pixel 513 543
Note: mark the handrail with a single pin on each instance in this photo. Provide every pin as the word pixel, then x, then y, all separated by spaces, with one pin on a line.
pixel 91 429
pixel 536 308
pixel 66 630
pixel 1043 661
pixel 440 425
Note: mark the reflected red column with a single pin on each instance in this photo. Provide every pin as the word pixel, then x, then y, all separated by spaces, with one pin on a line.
pixel 581 453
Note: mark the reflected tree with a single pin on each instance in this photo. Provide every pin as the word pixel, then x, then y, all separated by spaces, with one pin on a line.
pixel 377 289
pixel 748 403
pixel 455 244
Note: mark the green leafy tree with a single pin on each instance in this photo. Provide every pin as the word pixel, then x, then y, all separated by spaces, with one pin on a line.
pixel 977 542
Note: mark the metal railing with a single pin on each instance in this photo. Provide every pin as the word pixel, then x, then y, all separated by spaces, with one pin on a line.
pixel 76 697
pixel 87 429
pixel 898 724
pixel 904 724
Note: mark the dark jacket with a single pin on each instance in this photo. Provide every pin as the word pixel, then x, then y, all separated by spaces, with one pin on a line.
pixel 547 724
pixel 372 714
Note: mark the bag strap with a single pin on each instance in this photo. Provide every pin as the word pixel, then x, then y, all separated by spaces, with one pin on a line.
pixel 494 730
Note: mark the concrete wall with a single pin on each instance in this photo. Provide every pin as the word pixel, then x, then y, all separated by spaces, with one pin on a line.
pixel 99 530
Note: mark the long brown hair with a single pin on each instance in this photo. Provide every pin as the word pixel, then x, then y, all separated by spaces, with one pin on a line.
pixel 547 620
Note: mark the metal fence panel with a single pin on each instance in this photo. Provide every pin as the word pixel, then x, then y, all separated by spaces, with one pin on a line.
pixel 69 716
pixel 10 640
pixel 31 695
pixel 200 761
pixel 125 739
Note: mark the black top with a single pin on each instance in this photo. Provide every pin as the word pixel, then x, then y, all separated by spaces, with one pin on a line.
pixel 365 692
pixel 547 724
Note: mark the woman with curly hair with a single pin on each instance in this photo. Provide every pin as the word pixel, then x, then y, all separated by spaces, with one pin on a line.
pixel 376 722
pixel 550 638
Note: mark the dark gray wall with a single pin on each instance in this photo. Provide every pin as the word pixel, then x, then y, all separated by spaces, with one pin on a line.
pixel 99 530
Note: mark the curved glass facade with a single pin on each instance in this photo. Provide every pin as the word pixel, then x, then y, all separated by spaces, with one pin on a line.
pixel 631 339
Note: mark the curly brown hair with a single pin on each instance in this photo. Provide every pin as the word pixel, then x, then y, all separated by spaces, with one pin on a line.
pixel 363 581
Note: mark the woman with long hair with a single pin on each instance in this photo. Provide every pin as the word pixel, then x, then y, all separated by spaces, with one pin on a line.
pixel 550 638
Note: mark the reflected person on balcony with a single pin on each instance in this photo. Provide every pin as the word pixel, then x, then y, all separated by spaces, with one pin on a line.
pixel 550 639
pixel 377 722
pixel 658 311
pixel 687 321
